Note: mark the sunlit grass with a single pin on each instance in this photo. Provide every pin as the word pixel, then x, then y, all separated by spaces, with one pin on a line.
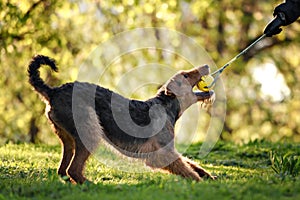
pixel 244 172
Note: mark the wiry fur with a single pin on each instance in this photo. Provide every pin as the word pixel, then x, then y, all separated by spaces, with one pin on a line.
pixel 83 113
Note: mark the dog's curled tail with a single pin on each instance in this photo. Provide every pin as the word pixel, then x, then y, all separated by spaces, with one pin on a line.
pixel 34 74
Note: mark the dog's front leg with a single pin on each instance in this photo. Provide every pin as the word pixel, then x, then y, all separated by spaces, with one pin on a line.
pixel 172 162
pixel 180 167
pixel 202 172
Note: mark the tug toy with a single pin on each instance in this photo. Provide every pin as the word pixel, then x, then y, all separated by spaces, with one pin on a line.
pixel 207 82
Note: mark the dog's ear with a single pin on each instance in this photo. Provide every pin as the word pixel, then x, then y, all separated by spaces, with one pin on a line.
pixel 172 90
pixel 169 92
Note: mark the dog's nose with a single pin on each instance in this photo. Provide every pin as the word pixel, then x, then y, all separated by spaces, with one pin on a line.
pixel 204 69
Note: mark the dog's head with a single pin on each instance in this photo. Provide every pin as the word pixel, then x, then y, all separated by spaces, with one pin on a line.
pixel 181 86
pixel 182 83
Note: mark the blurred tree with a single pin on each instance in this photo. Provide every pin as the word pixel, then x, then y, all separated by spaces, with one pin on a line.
pixel 69 30
pixel 27 28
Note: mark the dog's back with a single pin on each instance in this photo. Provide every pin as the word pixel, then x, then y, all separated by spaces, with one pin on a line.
pixel 66 105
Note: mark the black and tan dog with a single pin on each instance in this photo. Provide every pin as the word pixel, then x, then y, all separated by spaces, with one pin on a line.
pixel 82 114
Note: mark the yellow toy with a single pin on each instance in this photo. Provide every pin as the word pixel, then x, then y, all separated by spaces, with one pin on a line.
pixel 205 82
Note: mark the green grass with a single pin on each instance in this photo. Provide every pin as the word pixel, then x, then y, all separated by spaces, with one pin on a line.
pixel 257 170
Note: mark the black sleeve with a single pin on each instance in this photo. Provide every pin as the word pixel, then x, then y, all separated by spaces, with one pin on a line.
pixel 291 10
pixel 294 1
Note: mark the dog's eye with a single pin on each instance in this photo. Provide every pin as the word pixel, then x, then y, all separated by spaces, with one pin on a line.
pixel 185 75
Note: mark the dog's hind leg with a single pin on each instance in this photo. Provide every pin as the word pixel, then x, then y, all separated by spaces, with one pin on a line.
pixel 87 133
pixel 68 150
pixel 75 170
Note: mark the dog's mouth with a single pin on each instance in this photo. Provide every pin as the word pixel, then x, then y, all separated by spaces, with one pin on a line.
pixel 195 78
pixel 203 95
pixel 195 75
pixel 183 83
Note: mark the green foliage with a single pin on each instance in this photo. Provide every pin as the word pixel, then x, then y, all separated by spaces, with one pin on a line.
pixel 285 165
pixel 244 172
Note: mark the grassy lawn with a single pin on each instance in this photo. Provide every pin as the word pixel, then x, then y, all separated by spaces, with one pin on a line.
pixel 244 172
